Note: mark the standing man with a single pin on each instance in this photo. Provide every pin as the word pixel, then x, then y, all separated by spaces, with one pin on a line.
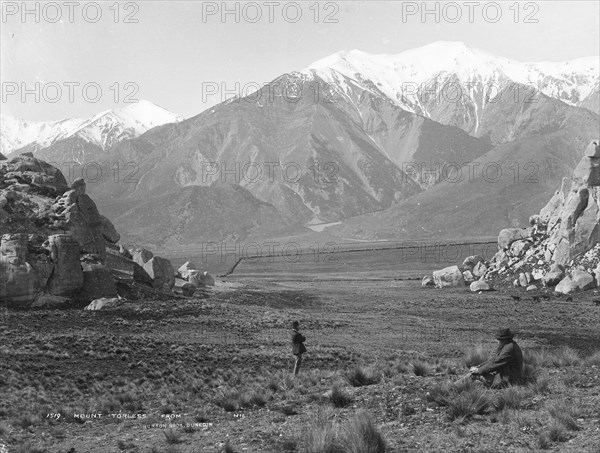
pixel 506 367
pixel 297 346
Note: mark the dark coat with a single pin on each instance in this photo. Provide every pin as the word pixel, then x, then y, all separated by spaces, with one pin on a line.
pixel 507 363
pixel 298 343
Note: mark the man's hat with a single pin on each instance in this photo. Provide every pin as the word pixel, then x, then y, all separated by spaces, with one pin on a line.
pixel 504 334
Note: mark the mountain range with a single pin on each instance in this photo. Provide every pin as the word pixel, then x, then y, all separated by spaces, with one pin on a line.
pixel 374 142
pixel 102 130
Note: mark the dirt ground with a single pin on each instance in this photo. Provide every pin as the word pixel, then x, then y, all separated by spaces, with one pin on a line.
pixel 213 375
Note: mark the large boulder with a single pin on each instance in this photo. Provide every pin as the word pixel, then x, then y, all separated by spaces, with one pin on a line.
pixel 98 281
pixel 141 256
pixel 67 275
pixel 583 280
pixel 187 269
pixel 509 235
pixel 449 276
pixel 161 272
pixel 480 285
pixel 554 276
pixel 566 286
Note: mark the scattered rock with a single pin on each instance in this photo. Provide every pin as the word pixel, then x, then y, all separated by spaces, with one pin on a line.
pixel 468 276
pixel 582 280
pixel 427 281
pixel 104 303
pixel 160 271
pixel 205 279
pixel 480 285
pixel 523 279
pixel 187 289
pixel 531 288
pixel 479 269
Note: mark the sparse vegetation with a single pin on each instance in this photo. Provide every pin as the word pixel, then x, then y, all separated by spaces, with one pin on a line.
pixel 242 385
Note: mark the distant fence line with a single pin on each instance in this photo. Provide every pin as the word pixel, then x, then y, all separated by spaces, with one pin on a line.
pixel 434 333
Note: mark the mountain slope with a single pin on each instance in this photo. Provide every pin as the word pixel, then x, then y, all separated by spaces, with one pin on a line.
pixel 502 189
pixel 330 158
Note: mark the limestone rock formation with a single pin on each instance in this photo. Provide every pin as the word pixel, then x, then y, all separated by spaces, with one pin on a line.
pixel 54 247
pixel 565 229
pixel 67 275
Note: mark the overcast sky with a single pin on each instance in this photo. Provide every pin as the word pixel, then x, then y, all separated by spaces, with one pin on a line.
pixel 173 49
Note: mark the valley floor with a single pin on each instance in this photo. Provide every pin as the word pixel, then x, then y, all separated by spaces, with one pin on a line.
pixel 213 375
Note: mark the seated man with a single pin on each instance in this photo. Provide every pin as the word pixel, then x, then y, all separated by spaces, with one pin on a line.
pixel 505 368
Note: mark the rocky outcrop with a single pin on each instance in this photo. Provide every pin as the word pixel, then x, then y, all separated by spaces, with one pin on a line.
pixel 560 247
pixel 54 251
pixel 564 235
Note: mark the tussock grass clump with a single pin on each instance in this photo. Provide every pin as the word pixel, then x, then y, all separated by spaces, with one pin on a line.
pixel 228 400
pixel 530 374
pixel 564 413
pixel 421 368
pixel 27 420
pixel 557 432
pixel 542 357
pixel 463 400
pixel 356 435
pixel 360 435
pixel 593 359
pixel 360 376
pixel 511 397
pixel 228 448
pixel 541 384
pixel 566 356
pixel 476 401
pixel 339 398
pixel 476 356
pixel 171 436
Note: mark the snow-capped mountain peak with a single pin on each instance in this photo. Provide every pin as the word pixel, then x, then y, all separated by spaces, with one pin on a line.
pixel 439 62
pixel 103 129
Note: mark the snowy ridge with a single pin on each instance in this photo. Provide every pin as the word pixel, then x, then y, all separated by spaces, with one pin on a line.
pixel 440 62
pixel 103 129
